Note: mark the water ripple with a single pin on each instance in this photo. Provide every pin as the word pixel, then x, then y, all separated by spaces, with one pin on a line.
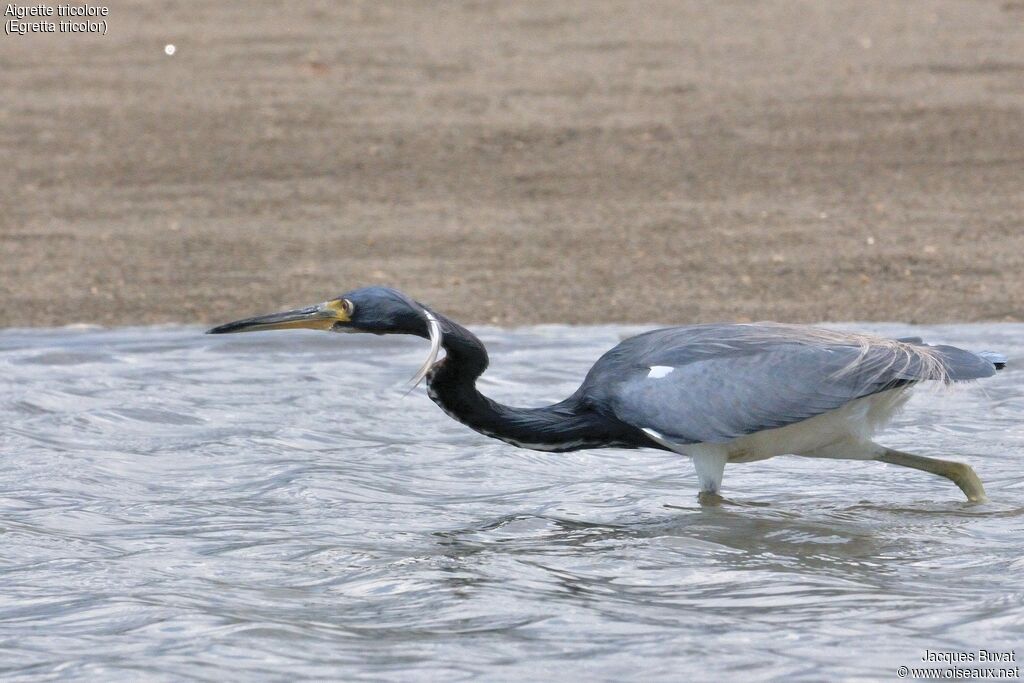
pixel 177 506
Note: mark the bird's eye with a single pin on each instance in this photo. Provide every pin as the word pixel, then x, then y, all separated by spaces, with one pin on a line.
pixel 348 307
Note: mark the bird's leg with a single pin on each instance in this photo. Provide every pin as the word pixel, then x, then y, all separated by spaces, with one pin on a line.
pixel 710 470
pixel 957 472
pixel 707 460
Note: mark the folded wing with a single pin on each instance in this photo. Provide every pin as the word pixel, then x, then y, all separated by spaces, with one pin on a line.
pixel 713 383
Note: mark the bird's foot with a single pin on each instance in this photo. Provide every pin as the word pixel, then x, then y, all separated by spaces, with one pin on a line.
pixel 710 499
pixel 964 476
pixel 715 499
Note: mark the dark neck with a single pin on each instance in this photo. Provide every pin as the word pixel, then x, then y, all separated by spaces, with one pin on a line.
pixel 565 426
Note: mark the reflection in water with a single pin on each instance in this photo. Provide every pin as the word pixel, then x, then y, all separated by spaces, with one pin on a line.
pixel 175 504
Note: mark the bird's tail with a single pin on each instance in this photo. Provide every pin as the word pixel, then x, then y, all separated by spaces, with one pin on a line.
pixel 958 364
pixel 995 358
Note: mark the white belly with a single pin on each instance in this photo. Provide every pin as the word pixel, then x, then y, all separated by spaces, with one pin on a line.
pixel 842 433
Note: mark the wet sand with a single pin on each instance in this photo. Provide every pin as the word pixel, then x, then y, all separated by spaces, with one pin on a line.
pixel 512 163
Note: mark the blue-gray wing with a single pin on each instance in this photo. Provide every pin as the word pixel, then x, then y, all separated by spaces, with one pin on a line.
pixel 713 383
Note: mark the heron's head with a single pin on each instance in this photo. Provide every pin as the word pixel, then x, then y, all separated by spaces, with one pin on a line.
pixel 378 310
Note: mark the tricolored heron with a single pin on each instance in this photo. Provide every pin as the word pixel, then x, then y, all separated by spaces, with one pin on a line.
pixel 717 393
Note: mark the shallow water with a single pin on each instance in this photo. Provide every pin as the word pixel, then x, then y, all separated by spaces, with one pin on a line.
pixel 272 506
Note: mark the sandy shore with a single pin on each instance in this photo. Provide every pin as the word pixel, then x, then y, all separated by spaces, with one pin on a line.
pixel 578 161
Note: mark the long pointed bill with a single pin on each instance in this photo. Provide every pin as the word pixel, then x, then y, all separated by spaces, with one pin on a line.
pixel 320 317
